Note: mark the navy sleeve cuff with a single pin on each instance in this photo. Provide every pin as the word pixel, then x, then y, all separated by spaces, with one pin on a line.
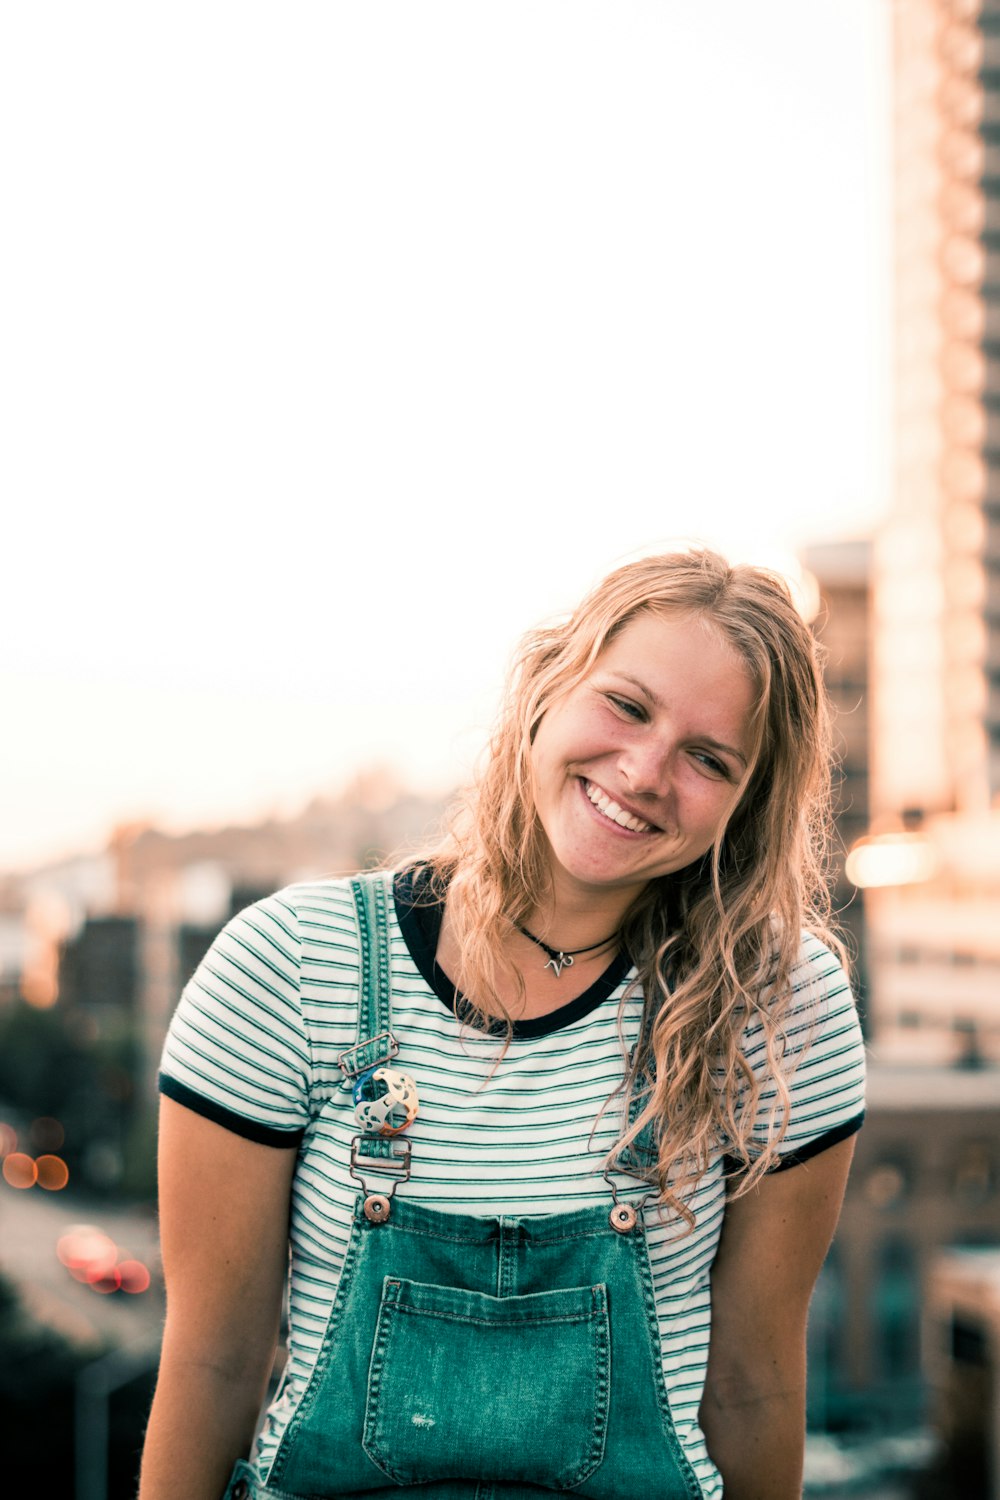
pixel 250 1130
pixel 809 1148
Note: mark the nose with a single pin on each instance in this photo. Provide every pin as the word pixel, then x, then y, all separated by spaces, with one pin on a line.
pixel 645 768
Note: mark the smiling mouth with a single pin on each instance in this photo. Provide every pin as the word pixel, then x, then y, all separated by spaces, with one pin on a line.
pixel 610 809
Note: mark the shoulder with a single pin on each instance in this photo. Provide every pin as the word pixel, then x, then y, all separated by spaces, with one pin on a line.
pixel 812 1012
pixel 319 903
pixel 807 1052
pixel 816 990
pixel 821 1026
pixel 254 972
pixel 317 915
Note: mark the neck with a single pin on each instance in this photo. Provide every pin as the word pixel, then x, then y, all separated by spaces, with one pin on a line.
pixel 575 917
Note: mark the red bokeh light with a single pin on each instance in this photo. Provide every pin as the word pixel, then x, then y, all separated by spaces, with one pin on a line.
pixel 91 1256
pixel 85 1250
pixel 107 1281
pixel 134 1276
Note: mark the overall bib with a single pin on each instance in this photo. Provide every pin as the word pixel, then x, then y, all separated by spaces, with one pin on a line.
pixel 473 1356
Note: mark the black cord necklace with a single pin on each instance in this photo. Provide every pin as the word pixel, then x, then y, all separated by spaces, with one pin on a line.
pixel 562 958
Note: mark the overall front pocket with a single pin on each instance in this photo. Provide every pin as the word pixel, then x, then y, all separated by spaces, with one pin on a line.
pixel 466 1386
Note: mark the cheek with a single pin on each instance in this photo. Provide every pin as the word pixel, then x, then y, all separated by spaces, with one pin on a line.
pixel 539 755
pixel 544 761
pixel 712 803
pixel 562 736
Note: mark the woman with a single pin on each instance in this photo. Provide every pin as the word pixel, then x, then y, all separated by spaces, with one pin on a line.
pixel 586 1263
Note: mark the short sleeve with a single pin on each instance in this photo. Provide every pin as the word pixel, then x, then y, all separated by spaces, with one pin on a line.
pixel 824 1060
pixel 237 1050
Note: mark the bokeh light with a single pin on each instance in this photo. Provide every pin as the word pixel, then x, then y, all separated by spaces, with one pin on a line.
pixel 134 1276
pixel 8 1138
pixel 105 1282
pixel 53 1173
pixel 19 1170
pixel 85 1250
pixel 92 1257
pixel 891 859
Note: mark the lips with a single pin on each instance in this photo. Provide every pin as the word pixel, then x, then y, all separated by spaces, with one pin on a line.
pixel 613 811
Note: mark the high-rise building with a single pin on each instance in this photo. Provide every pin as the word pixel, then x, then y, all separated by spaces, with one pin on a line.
pixel 932 865
pixel 936 661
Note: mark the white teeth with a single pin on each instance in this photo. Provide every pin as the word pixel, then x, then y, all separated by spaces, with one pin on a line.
pixel 611 810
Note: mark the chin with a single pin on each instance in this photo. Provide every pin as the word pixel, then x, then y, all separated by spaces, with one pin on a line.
pixel 600 876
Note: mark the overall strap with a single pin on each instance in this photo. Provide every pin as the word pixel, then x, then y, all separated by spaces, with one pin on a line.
pixel 634 1160
pixel 643 1151
pixel 374 1042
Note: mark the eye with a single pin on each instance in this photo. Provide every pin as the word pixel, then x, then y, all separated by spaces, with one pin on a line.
pixel 712 763
pixel 627 707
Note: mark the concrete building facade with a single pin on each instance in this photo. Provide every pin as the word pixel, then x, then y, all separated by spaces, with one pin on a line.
pixel 931 867
pixel 936 661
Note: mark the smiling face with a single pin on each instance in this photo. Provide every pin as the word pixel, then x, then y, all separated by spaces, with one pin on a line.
pixel 637 767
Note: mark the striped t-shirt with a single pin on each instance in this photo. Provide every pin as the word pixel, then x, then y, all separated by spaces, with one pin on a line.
pixel 254 1044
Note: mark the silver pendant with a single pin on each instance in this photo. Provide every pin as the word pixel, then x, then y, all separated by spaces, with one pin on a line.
pixel 558 962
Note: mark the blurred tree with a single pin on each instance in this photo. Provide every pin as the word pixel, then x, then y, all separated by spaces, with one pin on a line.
pixel 81 1071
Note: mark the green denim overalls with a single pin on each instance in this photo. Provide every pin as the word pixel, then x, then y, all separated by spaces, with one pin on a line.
pixel 476 1357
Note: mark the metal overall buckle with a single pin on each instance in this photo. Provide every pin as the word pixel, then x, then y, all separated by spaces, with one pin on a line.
pixel 373 1055
pixel 625 1216
pixel 397 1165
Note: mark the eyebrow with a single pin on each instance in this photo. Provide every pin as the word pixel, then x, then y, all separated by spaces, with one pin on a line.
pixel 706 739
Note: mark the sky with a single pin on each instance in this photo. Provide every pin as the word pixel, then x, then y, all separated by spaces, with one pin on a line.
pixel 339 344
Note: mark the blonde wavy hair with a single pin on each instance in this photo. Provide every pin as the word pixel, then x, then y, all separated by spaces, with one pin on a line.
pixel 715 943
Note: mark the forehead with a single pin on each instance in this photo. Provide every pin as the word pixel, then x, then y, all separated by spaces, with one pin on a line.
pixel 685 662
pixel 658 636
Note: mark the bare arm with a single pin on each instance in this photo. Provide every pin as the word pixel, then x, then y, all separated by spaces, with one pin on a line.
pixel 224 1204
pixel 773 1244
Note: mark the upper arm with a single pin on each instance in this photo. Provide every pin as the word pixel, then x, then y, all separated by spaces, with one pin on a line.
pixel 775 1237
pixel 774 1240
pixel 224 1210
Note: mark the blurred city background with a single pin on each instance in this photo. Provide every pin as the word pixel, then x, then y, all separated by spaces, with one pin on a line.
pixel 343 349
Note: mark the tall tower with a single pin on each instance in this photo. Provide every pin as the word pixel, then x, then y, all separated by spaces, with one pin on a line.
pixel 936 649
pixel 932 885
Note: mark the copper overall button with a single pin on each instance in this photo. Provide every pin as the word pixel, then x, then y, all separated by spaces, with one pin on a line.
pixel 376 1208
pixel 623 1218
pixel 241 1490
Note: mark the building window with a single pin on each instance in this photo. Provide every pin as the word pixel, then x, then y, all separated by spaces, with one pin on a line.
pixel 897 1310
pixel 968 1342
pixel 975 1174
pixel 826 1351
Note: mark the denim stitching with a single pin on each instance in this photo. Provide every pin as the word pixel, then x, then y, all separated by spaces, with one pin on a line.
pixel 602 1393
pixel 311 1392
pixel 564 1237
pixel 641 1253
pixel 370 1440
pixel 532 1227
pixel 507 1259
pixel 526 1320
